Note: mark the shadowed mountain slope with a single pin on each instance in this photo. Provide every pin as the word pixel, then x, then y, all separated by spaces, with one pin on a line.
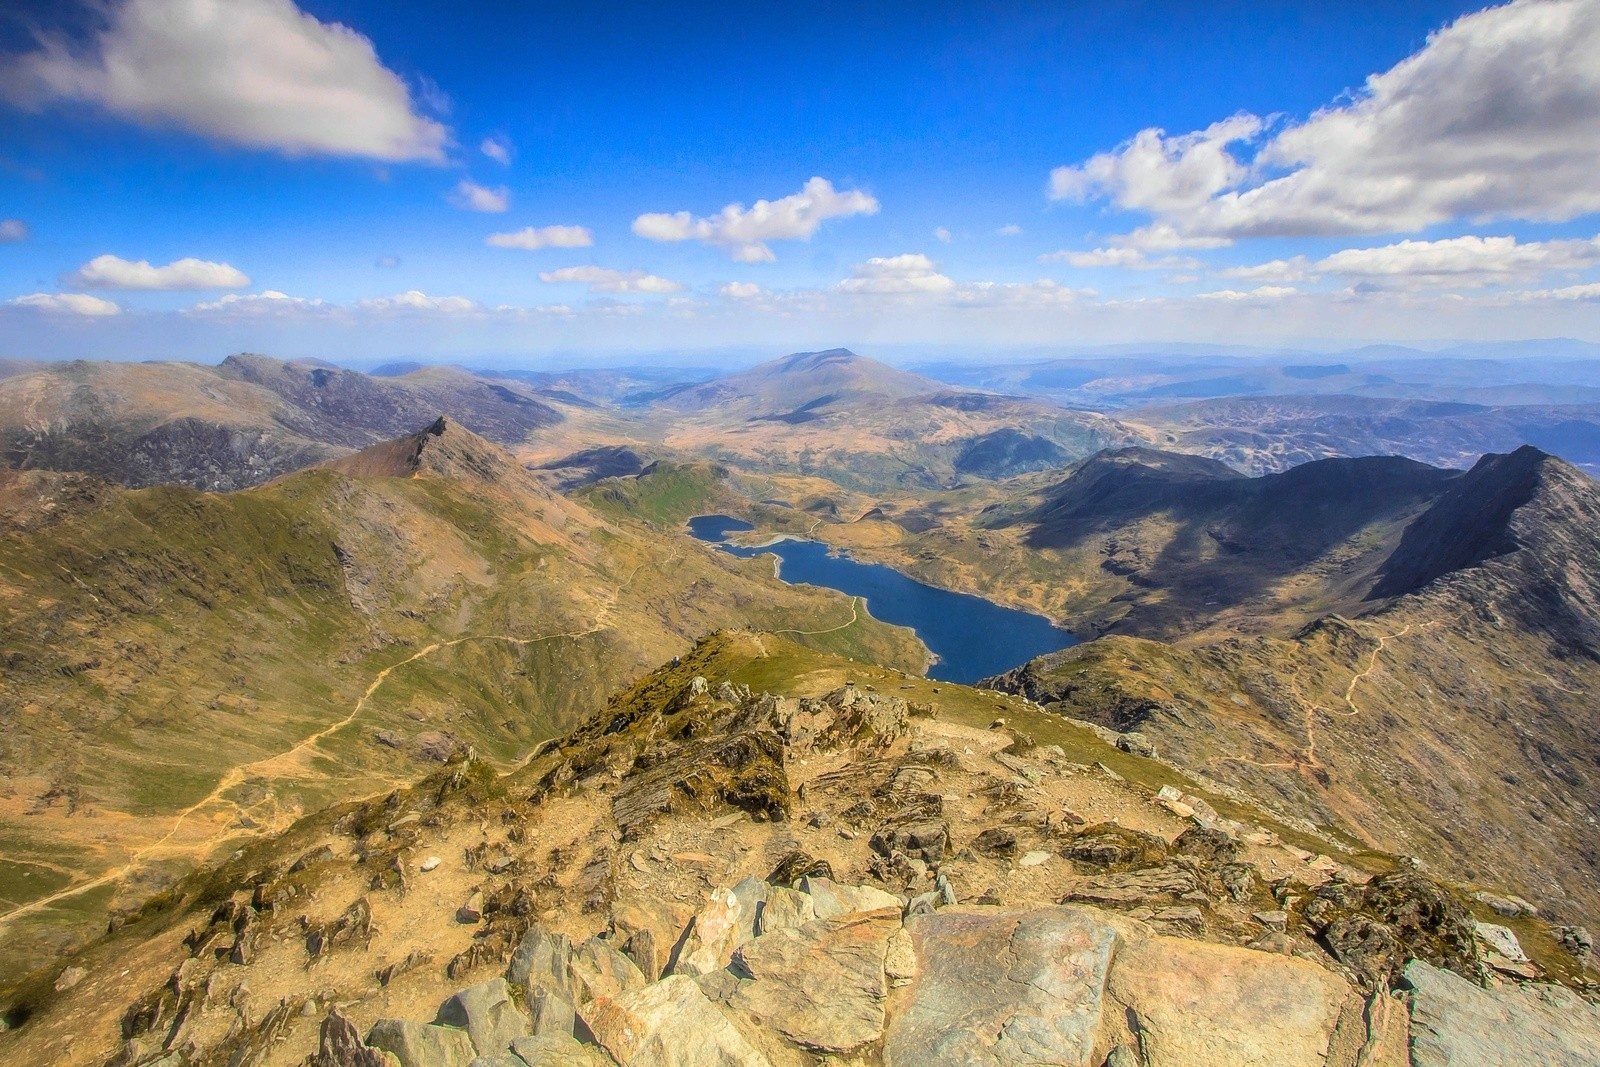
pixel 1454 722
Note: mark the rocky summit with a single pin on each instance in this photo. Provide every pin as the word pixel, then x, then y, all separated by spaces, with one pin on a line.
pixel 761 854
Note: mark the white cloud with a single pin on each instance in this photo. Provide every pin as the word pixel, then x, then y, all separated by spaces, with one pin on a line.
pixel 1260 292
pixel 941 234
pixel 1590 291
pixel 605 280
pixel 741 290
pixel 12 231
pixel 114 272
pixel 260 73
pixel 67 304
pixel 533 238
pixel 1295 269
pixel 912 272
pixel 1099 257
pixel 1469 262
pixel 1010 229
pixel 1496 117
pixel 744 232
pixel 265 303
pixel 498 149
pixel 1126 258
pixel 470 196
pixel 1043 293
pixel 1163 237
pixel 413 301
pixel 1159 174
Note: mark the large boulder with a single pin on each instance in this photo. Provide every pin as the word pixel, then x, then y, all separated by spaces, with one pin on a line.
pixel 421 1045
pixel 488 1014
pixel 1195 1004
pixel 542 968
pixel 821 985
pixel 997 986
pixel 600 972
pixel 671 1024
pixel 1456 1022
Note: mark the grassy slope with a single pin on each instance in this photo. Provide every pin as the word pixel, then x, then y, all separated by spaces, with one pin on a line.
pixel 167 649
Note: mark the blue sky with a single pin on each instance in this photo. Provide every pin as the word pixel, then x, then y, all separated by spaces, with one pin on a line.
pixel 185 178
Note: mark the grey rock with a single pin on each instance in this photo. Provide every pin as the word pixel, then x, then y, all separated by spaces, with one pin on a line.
pixel 1002 987
pixel 671 1024
pixel 784 909
pixel 829 898
pixel 488 1014
pixel 1455 1022
pixel 821 985
pixel 557 1050
pixel 1500 940
pixel 542 961
pixel 1576 940
pixel 599 970
pixel 421 1045
pixel 1136 743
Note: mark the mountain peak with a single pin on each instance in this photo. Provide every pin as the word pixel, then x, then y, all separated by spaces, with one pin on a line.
pixel 443 447
pixel 1475 520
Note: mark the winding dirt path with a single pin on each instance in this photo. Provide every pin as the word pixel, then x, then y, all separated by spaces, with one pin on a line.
pixel 274 765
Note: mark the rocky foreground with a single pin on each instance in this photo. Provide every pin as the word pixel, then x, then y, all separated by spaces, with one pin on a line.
pixel 866 869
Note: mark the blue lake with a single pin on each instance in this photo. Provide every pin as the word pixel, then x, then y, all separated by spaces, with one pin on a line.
pixel 972 637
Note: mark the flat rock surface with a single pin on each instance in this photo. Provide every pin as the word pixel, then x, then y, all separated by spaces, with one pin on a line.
pixel 671 1024
pixel 996 986
pixel 1196 1004
pixel 821 985
pixel 1456 1022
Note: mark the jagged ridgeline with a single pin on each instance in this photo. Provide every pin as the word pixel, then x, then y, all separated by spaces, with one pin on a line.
pixel 760 854
pixel 186 671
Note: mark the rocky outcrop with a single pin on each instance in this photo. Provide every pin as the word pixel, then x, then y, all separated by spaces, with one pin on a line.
pixel 1455 1022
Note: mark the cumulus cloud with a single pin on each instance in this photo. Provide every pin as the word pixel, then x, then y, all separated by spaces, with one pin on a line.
pixel 741 290
pixel 1124 257
pixel 498 149
pixel 536 237
pixel 413 301
pixel 12 231
pixel 470 196
pixel 942 235
pixel 268 302
pixel 1260 293
pixel 1496 117
pixel 1159 174
pixel 606 280
pixel 1164 237
pixel 1468 262
pixel 114 272
pixel 744 232
pixel 912 272
pixel 259 73
pixel 67 304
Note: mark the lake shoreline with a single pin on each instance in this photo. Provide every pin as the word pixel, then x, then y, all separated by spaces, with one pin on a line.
pixel 969 636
